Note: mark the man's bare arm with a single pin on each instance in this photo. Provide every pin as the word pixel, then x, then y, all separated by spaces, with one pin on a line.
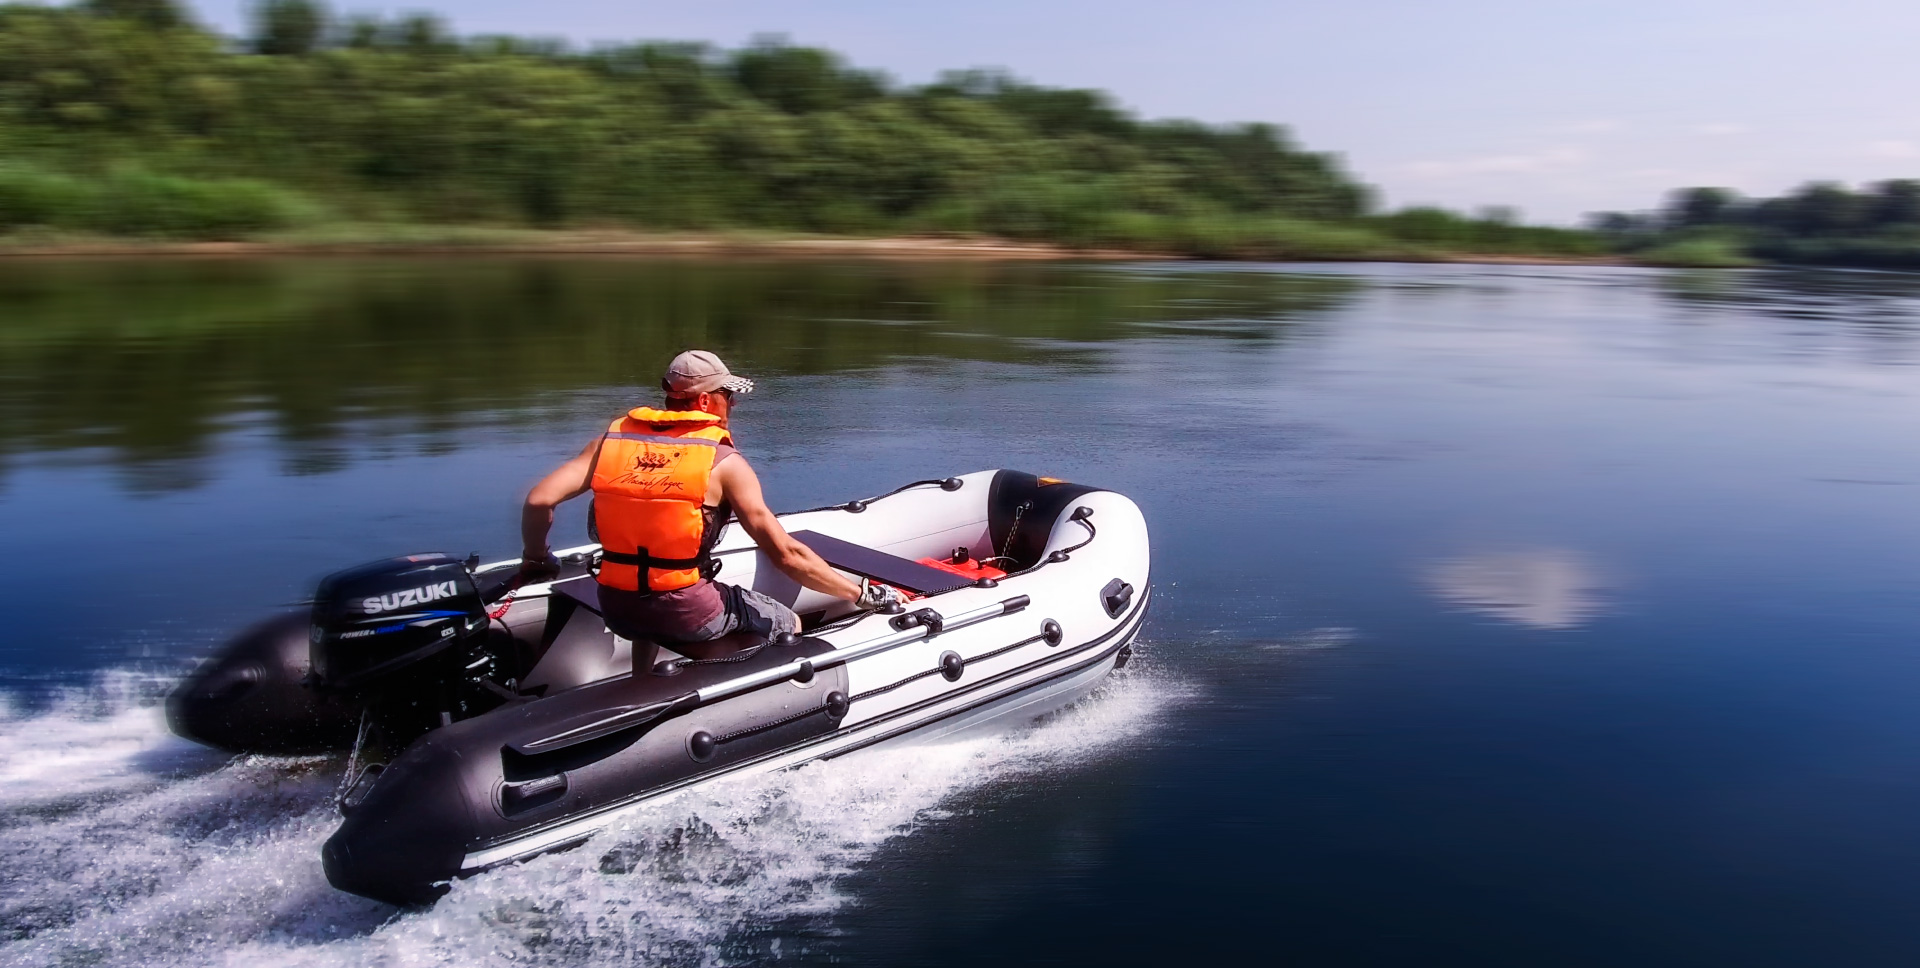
pixel 567 482
pixel 741 488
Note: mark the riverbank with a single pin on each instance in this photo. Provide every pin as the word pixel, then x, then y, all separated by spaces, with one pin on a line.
pixel 476 241
pixel 448 241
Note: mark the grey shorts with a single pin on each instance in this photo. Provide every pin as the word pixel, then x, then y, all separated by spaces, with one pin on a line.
pixel 747 611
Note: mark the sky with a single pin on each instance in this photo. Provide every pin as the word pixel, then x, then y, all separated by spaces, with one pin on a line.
pixel 1553 107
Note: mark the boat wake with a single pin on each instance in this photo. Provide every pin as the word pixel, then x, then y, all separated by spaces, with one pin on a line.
pixel 127 846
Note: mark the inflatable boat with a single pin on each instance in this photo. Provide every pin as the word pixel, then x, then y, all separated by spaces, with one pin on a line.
pixel 486 722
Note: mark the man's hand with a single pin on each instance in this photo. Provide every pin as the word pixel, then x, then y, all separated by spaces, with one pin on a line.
pixel 875 597
pixel 571 480
pixel 539 568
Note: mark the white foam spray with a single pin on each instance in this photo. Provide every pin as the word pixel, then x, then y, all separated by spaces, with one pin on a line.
pixel 133 852
pixel 91 740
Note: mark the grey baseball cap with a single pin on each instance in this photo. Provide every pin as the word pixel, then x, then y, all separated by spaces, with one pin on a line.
pixel 698 371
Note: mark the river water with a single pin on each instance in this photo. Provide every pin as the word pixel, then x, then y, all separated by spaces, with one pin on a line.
pixel 1503 616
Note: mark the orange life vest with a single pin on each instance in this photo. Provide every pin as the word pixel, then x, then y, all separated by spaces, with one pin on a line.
pixel 649 492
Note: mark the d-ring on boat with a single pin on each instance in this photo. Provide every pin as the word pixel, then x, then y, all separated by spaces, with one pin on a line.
pixel 488 723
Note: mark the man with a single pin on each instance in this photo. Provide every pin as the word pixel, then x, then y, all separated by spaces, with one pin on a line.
pixel 664 482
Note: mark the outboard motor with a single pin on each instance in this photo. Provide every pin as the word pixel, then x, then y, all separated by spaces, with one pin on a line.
pixel 406 639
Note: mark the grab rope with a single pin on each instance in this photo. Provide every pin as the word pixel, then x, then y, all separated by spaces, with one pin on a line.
pixel 1080 516
pixel 937 670
pixel 869 694
pixel 857 506
pixel 775 724
pixel 677 664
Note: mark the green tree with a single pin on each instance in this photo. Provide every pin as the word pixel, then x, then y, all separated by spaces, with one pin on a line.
pixel 1699 207
pixel 1820 223
pixel 801 80
pixel 420 33
pixel 162 14
pixel 1824 208
pixel 1896 202
pixel 288 27
pixel 132 115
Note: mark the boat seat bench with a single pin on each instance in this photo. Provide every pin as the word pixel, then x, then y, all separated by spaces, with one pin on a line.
pixel 880 566
pixel 867 562
pixel 861 560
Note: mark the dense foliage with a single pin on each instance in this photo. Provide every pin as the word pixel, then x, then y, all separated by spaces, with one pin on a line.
pixel 122 117
pixel 1818 224
pixel 386 119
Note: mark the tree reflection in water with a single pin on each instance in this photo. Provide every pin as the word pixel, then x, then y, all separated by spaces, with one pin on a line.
pixel 145 364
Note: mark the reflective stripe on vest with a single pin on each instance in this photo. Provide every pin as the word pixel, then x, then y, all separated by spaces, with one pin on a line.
pixel 649 486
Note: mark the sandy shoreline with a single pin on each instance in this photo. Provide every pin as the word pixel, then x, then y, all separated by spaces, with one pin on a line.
pixel 658 246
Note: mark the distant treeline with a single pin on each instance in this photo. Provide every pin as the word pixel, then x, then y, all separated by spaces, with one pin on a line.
pixel 122 117
pixel 1822 223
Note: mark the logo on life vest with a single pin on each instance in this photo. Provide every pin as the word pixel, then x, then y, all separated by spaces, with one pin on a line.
pixel 411 596
pixel 651 461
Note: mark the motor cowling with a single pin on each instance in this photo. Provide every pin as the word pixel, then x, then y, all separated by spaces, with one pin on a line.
pixel 393 619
